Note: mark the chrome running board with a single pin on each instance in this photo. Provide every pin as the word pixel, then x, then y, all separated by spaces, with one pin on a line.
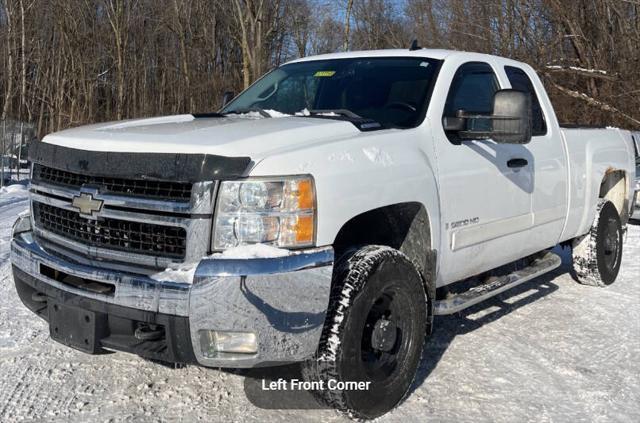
pixel 458 302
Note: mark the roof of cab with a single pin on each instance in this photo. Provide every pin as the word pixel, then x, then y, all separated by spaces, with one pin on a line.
pixel 423 52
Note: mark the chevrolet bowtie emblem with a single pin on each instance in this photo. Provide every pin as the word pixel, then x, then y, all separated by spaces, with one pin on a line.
pixel 86 204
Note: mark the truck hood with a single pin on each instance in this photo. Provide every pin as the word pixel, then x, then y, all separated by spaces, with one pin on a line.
pixel 242 135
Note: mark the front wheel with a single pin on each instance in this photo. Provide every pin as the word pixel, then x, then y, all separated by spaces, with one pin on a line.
pixel 374 334
pixel 598 254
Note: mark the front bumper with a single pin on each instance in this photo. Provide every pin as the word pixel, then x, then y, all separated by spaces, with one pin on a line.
pixel 283 301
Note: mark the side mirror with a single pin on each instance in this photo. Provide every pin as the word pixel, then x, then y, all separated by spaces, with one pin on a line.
pixel 512 115
pixel 510 122
pixel 227 97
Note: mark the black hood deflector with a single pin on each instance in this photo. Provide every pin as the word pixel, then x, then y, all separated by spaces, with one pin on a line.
pixel 147 166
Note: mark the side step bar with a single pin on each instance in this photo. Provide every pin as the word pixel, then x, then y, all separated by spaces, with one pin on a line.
pixel 475 295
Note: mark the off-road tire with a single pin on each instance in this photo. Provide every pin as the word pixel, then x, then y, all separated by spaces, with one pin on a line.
pixel 598 254
pixel 364 280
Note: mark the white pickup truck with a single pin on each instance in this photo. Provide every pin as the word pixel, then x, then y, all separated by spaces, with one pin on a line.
pixel 323 216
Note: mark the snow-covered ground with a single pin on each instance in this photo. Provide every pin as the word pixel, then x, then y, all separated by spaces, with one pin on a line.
pixel 550 350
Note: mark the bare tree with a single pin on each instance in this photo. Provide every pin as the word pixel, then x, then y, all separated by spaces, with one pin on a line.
pixel 258 21
pixel 347 25
pixel 69 62
pixel 118 13
pixel 299 23
pixel 8 12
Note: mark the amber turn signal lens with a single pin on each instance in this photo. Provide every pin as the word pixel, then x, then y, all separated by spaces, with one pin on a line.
pixel 304 229
pixel 305 194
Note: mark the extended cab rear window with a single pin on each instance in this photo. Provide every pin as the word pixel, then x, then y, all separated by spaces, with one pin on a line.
pixel 520 81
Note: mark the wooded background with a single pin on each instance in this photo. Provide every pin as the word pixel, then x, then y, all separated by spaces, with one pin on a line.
pixel 69 62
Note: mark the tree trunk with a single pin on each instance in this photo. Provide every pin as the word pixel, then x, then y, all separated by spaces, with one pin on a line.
pixel 347 25
pixel 9 91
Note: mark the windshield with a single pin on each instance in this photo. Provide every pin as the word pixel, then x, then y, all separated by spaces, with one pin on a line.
pixel 391 91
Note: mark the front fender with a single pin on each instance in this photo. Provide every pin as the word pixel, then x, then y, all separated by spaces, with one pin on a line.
pixel 366 172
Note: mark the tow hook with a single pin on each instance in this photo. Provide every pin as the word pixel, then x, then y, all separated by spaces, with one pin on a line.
pixel 145 332
pixel 38 297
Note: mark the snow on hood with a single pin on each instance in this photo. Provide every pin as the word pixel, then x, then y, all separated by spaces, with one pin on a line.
pixel 233 135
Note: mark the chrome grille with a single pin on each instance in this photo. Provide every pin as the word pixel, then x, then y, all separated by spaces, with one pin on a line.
pixel 166 190
pixel 116 234
pixel 135 232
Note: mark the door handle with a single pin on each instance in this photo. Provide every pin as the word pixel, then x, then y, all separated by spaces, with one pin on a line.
pixel 517 163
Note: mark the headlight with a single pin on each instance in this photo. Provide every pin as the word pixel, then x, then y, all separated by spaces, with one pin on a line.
pixel 277 211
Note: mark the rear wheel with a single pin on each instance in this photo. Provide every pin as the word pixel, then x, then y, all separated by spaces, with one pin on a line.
pixel 374 332
pixel 598 254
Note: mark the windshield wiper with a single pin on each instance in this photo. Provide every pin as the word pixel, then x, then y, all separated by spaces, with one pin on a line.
pixel 362 123
pixel 342 112
pixel 262 112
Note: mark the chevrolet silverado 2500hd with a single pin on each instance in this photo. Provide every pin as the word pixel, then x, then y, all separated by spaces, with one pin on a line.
pixel 323 216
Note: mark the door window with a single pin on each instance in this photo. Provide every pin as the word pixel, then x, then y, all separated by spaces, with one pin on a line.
pixel 472 90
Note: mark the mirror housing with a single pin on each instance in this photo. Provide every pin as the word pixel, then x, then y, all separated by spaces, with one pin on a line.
pixel 510 122
pixel 512 117
pixel 227 97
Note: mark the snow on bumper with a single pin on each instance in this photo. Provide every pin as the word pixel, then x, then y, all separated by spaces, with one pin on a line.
pixel 282 300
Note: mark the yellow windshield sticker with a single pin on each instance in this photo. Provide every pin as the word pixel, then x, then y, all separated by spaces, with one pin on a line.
pixel 324 74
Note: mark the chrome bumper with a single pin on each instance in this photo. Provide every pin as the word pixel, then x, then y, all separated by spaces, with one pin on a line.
pixel 282 300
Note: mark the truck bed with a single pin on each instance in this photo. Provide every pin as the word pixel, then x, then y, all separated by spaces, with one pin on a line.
pixel 594 152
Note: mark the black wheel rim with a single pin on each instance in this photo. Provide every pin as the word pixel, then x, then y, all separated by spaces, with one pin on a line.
pixel 392 308
pixel 612 244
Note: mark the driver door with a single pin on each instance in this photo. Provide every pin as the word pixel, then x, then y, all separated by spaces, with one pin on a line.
pixel 485 189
